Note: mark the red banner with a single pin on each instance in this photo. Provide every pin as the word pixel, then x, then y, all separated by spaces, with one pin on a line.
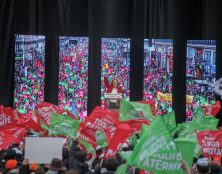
pixel 88 135
pixel 101 119
pixel 6 140
pixel 9 117
pixel 212 109
pixel 211 143
pixel 122 133
pixel 44 110
pixel 18 132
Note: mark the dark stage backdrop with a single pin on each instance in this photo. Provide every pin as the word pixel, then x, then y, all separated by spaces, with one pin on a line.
pixel 179 20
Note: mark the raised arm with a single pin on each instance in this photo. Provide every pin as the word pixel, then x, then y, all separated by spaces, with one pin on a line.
pixel 106 82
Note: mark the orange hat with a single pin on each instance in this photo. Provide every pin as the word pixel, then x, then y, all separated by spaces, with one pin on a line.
pixel 11 164
pixel 33 167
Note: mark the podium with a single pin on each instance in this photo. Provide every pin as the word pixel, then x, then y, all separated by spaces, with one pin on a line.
pixel 112 101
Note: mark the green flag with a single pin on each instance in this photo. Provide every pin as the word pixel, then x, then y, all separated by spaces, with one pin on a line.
pixel 197 151
pixel 186 147
pixel 101 138
pixel 121 169
pixel 125 155
pixel 63 125
pixel 133 139
pixel 134 111
pixel 170 121
pixel 202 122
pixel 87 147
pixel 156 151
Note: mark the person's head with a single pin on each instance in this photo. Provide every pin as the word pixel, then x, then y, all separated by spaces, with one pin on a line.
pixel 215 169
pixel 11 164
pixel 80 156
pixel 115 83
pixel 10 154
pixel 203 166
pixel 2 171
pixel 56 165
pixel 111 164
pixel 72 171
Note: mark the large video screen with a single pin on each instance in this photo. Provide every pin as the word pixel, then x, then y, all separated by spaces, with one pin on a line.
pixel 73 74
pixel 158 70
pixel 29 72
pixel 115 62
pixel 200 72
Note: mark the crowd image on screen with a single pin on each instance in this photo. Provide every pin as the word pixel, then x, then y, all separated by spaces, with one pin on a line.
pixel 115 59
pixel 158 69
pixel 201 72
pixel 29 72
pixel 73 74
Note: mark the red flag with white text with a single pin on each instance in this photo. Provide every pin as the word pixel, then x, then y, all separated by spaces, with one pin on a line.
pixel 211 142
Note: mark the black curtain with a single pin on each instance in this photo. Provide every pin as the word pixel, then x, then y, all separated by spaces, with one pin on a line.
pixel 179 20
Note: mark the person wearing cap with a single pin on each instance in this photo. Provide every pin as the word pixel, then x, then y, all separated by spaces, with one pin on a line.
pixel 56 167
pixel 202 166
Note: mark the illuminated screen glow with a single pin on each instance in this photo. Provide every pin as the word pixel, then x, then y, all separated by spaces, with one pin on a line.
pixel 73 74
pixel 200 72
pixel 29 72
pixel 115 62
pixel 158 70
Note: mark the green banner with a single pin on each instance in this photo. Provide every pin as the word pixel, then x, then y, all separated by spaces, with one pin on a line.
pixel 156 151
pixel 170 121
pixel 63 125
pixel 134 111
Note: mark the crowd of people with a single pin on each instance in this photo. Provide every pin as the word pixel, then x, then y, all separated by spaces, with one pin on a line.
pixel 202 95
pixel 29 73
pixel 76 161
pixel 73 74
pixel 156 81
pixel 115 64
pixel 158 70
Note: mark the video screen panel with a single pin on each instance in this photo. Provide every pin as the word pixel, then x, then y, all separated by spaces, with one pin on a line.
pixel 29 72
pixel 73 74
pixel 200 73
pixel 158 71
pixel 115 62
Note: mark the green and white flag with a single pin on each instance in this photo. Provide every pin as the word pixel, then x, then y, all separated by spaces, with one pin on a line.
pixel 63 125
pixel 170 121
pixel 202 122
pixel 86 146
pixel 134 111
pixel 156 151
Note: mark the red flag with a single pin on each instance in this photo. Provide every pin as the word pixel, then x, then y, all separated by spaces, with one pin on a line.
pixel 6 140
pixel 122 133
pixel 211 142
pixel 152 105
pixel 18 132
pixel 101 119
pixel 9 117
pixel 44 110
pixel 30 122
pixel 212 109
pixel 88 135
